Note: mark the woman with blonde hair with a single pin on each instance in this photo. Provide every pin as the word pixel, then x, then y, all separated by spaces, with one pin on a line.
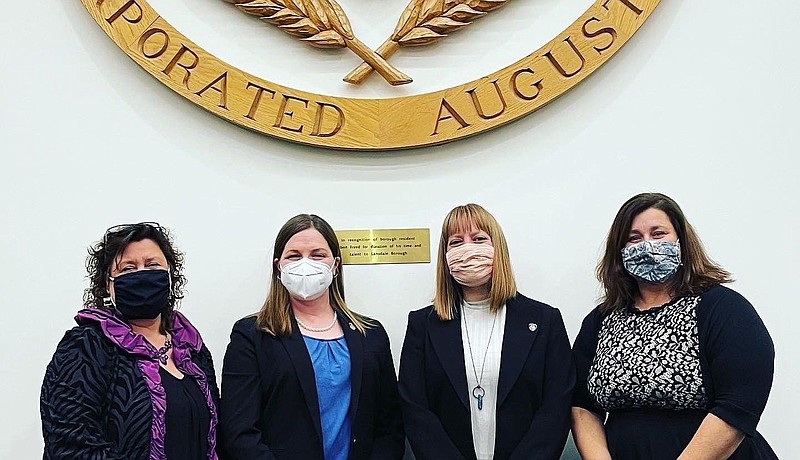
pixel 671 364
pixel 307 378
pixel 485 372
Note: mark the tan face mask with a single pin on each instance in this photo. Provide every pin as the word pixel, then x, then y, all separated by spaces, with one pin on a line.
pixel 471 263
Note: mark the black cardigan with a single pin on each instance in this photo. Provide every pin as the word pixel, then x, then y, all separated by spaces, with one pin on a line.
pixel 94 401
pixel 269 397
pixel 736 359
pixel 534 389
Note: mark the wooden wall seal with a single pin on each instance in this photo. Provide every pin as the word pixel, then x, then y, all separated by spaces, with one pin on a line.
pixel 371 124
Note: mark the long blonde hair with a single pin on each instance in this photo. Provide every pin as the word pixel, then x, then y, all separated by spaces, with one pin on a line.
pixel 448 297
pixel 275 316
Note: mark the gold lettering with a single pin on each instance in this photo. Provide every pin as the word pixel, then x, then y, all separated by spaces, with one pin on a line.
pixel 222 80
pixel 453 114
pixel 257 99
pixel 318 120
pixel 187 67
pixel 146 36
pixel 514 86
pixel 602 31
pixel 121 13
pixel 477 103
pixel 627 3
pixel 282 112
pixel 559 67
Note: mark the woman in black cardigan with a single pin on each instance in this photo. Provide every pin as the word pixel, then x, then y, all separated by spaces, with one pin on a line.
pixel 485 372
pixel 671 364
pixel 307 378
pixel 133 380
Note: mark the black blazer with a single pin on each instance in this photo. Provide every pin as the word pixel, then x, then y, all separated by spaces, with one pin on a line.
pixel 270 409
pixel 534 388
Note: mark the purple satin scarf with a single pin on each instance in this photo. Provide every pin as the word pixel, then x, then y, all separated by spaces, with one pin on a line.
pixel 185 341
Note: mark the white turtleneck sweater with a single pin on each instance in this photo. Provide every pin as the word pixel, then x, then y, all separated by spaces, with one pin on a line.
pixel 476 319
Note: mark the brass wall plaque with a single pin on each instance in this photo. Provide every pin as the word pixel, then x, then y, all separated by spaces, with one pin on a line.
pixel 370 124
pixel 385 246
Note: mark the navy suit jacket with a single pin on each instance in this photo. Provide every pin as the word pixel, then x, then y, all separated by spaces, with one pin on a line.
pixel 270 409
pixel 535 385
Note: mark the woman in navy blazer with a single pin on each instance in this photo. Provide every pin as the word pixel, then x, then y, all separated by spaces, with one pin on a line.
pixel 307 378
pixel 485 372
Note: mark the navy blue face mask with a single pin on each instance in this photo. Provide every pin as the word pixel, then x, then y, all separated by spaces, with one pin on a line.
pixel 143 294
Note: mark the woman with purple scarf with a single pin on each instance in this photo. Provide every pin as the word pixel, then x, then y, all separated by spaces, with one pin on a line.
pixel 133 380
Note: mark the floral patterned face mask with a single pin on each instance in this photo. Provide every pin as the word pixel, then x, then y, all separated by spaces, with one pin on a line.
pixel 652 261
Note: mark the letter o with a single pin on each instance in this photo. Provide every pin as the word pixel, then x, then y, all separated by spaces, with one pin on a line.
pixel 146 36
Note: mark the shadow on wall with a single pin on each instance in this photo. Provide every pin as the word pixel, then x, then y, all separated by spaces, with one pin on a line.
pixel 570 452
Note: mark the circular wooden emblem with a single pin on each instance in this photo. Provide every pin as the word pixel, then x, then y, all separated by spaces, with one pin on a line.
pixel 369 124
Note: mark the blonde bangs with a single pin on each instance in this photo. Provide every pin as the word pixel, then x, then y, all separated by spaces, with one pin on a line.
pixel 463 218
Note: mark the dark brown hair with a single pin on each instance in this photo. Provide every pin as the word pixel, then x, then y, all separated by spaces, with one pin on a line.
pixel 696 274
pixel 106 252
pixel 275 315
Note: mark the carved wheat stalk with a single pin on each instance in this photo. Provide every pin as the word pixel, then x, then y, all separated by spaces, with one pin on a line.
pixel 425 21
pixel 320 23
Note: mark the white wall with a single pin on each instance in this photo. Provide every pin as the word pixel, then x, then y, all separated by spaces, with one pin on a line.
pixel 701 105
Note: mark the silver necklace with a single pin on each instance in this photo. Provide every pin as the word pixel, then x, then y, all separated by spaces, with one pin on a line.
pixel 478 392
pixel 162 353
pixel 317 329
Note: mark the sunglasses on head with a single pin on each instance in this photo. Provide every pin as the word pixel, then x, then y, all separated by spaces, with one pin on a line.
pixel 122 229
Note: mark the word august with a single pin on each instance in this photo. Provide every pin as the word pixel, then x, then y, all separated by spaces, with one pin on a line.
pixel 565 59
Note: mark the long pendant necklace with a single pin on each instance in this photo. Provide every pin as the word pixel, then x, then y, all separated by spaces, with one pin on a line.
pixel 317 329
pixel 478 392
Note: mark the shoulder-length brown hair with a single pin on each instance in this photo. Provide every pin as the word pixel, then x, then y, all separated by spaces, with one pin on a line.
pixel 275 316
pixel 448 297
pixel 696 274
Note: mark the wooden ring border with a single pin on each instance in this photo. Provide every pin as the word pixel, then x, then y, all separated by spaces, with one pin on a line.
pixel 371 124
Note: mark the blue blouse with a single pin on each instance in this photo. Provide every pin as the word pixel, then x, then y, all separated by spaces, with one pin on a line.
pixel 331 361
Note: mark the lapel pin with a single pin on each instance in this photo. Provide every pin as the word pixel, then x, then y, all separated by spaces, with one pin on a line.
pixel 352 326
pixel 533 327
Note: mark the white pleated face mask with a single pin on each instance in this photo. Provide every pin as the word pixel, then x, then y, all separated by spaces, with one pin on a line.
pixel 306 279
